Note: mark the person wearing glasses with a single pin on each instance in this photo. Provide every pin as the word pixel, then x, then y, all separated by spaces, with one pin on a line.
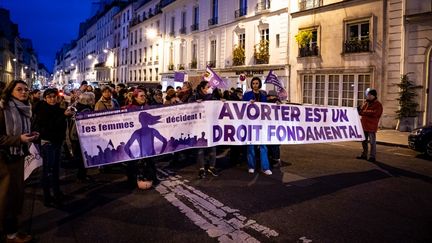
pixel 15 139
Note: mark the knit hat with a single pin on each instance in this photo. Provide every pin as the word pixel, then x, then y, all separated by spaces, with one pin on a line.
pixel 373 92
pixel 50 91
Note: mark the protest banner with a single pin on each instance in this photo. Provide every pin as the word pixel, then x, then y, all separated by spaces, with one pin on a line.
pixel 32 161
pixel 122 135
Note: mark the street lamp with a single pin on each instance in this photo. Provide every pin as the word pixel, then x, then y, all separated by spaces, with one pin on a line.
pixel 15 67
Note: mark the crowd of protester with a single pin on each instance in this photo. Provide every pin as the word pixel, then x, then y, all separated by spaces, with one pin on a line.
pixel 47 119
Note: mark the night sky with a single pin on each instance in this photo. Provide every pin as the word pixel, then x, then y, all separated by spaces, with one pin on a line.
pixel 48 23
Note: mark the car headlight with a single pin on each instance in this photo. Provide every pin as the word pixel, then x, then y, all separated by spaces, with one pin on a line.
pixel 416 131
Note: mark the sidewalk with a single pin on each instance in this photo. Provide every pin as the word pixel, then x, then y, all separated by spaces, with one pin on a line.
pixel 392 137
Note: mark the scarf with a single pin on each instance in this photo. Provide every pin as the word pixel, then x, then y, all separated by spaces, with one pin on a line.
pixel 17 121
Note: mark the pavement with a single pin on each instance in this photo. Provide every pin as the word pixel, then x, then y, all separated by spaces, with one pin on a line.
pixel 59 224
pixel 391 137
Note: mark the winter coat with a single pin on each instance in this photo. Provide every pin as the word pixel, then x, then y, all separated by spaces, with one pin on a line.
pixel 370 113
pixel 50 122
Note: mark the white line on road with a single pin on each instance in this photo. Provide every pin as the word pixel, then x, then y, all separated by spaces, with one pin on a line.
pixel 218 220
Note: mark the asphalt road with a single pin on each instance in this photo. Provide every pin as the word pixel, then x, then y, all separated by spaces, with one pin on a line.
pixel 326 195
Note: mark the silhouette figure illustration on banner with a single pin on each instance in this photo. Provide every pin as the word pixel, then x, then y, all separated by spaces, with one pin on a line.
pixel 145 136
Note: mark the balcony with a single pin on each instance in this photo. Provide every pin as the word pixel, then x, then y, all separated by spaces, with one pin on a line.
pixel 211 63
pixel 213 21
pixel 183 30
pixel 195 27
pixel 193 65
pixel 172 33
pixel 171 67
pixel 355 46
pixel 262 5
pixel 240 12
pixel 180 67
pixel 308 51
pixel 309 4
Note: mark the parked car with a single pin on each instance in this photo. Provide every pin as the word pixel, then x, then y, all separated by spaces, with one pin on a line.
pixel 420 139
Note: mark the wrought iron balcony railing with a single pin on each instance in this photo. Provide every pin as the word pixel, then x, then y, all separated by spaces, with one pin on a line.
pixel 353 46
pixel 211 63
pixel 213 21
pixel 183 30
pixel 240 12
pixel 195 27
pixel 193 65
pixel 262 6
pixel 308 51
pixel 309 4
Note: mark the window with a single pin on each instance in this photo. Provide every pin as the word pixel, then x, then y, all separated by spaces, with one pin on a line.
pixel 212 53
pixel 242 40
pixel 135 56
pixel 309 4
pixel 196 15
pixel 183 21
pixel 157 74
pixel 277 40
pixel 214 12
pixel 307 89
pixel 131 39
pixel 335 89
pixel 139 75
pixel 145 54
pixel 319 89
pixel 140 34
pixel 357 37
pixel 150 74
pixel 157 52
pixel 145 74
pixel 310 48
pixel 172 31
pixel 363 84
pixel 194 63
pixel 135 75
pixel 347 90
pixel 265 34
pixel 136 36
pixel 130 57
pixel 140 55
pixel 242 11
pixel 151 53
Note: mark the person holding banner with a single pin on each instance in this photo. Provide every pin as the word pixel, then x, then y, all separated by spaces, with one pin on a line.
pixel 205 92
pixel 257 95
pixel 15 138
pixel 370 113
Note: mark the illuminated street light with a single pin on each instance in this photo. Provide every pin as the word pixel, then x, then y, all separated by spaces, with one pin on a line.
pixel 25 67
pixel 151 33
pixel 72 65
pixel 15 68
pixel 89 56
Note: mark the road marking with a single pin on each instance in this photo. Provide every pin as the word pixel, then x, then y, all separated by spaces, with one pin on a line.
pixel 211 215
pixel 305 240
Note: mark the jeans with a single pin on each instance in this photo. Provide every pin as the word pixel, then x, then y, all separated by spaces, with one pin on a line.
pixel 201 157
pixel 50 169
pixel 371 138
pixel 263 156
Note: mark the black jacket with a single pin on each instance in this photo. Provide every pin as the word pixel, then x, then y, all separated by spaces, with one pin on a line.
pixel 50 122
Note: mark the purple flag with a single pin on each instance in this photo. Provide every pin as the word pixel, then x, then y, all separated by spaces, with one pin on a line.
pixel 179 76
pixel 214 80
pixel 272 78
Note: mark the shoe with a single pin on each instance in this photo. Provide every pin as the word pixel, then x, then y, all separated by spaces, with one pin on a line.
pixel 361 157
pixel 212 171
pixel 202 174
pixel 19 238
pixel 268 172
pixel 251 171
pixel 371 159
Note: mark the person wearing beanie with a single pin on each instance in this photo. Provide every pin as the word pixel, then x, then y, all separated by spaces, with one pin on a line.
pixel 370 113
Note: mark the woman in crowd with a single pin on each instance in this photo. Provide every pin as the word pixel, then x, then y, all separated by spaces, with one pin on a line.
pixel 50 122
pixel 15 138
pixel 106 102
pixel 205 92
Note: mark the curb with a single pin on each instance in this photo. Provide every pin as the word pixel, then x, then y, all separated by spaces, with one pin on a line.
pixel 392 144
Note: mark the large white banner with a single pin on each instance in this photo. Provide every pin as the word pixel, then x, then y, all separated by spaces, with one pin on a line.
pixel 122 135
